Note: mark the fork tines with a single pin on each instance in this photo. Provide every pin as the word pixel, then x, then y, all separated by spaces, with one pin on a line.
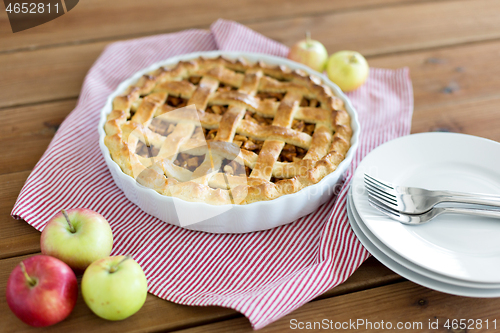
pixel 381 191
pixel 383 208
pixel 378 183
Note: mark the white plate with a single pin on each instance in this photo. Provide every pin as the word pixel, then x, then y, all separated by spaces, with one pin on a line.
pixel 458 246
pixel 229 218
pixel 410 274
pixel 408 264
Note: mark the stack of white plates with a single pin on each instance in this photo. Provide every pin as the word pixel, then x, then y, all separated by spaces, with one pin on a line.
pixel 456 254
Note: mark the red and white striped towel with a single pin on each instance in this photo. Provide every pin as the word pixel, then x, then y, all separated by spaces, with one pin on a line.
pixel 263 275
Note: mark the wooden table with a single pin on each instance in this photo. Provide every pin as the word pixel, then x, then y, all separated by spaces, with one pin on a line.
pixel 451 47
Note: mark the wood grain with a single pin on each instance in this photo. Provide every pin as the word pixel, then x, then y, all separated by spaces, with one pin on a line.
pixel 45 75
pixel 161 315
pixel 403 302
pixel 471 108
pixel 393 29
pixel 95 19
pixel 451 48
pixel 27 131
pixel 447 83
pixel 451 75
pixel 16 237
pixel 480 118
pixel 156 314
pixel 57 73
pixel 473 117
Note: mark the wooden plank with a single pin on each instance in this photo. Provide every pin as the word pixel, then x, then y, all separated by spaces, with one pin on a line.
pixel 449 81
pixel 158 314
pixel 393 29
pixel 444 96
pixel 95 19
pixel 57 73
pixel 405 303
pixel 480 118
pixel 16 237
pixel 451 75
pixel 45 75
pixel 27 131
pixel 370 274
pixel 471 109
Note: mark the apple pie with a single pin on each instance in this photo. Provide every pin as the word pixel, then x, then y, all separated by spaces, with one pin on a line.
pixel 227 132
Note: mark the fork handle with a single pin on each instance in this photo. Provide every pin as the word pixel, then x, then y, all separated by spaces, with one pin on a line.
pixel 479 199
pixel 476 212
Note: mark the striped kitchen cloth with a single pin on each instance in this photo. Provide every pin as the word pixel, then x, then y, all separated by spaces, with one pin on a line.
pixel 264 275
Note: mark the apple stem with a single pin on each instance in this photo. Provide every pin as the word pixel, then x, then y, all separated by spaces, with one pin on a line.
pixel 115 267
pixel 308 38
pixel 353 59
pixel 30 280
pixel 71 228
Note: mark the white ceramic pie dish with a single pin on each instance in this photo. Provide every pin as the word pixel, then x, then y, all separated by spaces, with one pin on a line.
pixel 256 216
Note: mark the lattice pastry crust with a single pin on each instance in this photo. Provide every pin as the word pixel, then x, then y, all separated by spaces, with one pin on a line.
pixel 227 132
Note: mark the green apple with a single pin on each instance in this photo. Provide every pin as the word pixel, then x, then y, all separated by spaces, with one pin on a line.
pixel 114 288
pixel 347 69
pixel 310 53
pixel 78 237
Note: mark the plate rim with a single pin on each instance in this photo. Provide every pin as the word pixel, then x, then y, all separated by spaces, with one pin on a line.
pixel 357 197
pixel 411 265
pixel 413 276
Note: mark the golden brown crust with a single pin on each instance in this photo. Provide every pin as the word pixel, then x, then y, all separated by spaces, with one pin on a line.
pixel 132 124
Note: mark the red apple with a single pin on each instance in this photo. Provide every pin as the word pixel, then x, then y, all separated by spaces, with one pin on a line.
pixel 42 291
pixel 78 237
pixel 310 53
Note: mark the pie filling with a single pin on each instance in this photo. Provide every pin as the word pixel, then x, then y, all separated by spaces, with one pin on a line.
pixel 194 79
pixel 276 97
pixel 231 167
pixel 223 88
pixel 176 102
pixel 309 102
pixel 146 151
pixel 161 127
pixel 217 109
pixel 188 161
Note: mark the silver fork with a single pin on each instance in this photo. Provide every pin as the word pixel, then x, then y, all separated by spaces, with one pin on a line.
pixel 429 215
pixel 414 200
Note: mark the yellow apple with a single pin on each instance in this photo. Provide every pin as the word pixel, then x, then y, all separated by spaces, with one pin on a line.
pixel 78 237
pixel 347 69
pixel 114 288
pixel 310 53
